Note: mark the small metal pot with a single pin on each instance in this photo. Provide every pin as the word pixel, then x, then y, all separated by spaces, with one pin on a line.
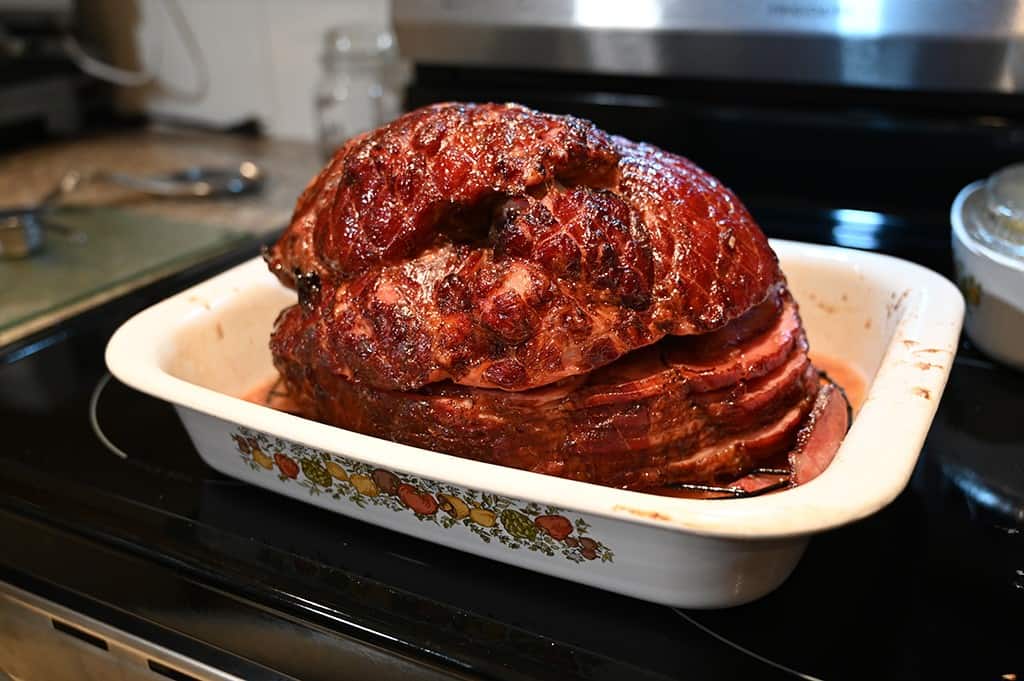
pixel 21 233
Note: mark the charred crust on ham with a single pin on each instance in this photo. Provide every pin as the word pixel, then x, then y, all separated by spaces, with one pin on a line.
pixel 308 287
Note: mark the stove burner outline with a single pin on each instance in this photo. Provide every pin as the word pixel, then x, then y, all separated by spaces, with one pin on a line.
pixel 94 400
pixel 745 651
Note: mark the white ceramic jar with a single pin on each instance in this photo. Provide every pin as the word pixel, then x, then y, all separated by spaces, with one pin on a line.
pixel 988 252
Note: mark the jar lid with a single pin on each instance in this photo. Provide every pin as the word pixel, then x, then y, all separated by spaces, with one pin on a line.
pixel 359 41
pixel 995 216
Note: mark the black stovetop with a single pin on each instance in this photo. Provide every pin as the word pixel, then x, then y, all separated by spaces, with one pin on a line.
pixel 161 545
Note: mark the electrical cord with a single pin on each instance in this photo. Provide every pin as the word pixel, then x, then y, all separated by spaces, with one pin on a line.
pixel 128 78
pixel 96 68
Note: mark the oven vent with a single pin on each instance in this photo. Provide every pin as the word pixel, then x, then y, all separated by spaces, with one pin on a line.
pixel 170 672
pixel 80 634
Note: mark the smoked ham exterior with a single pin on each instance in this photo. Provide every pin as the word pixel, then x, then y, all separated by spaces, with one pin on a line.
pixel 498 247
pixel 524 289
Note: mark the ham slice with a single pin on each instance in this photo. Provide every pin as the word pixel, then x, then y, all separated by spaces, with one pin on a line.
pixel 819 439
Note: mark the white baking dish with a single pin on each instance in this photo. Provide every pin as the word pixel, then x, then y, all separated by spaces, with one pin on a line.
pixel 895 321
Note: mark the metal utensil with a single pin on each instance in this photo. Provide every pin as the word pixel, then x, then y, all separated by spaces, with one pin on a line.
pixel 198 181
pixel 22 228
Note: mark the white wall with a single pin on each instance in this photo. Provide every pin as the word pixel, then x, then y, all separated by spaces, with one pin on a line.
pixel 261 56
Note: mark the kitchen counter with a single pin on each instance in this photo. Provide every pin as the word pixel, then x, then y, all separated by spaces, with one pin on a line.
pixel 66 279
pixel 28 174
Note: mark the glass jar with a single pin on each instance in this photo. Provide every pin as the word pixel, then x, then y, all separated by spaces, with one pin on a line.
pixel 360 85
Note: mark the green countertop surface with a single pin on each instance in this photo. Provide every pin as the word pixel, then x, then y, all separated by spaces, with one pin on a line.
pixel 115 247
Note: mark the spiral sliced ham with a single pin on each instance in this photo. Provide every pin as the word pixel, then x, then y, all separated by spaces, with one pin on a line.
pixel 524 289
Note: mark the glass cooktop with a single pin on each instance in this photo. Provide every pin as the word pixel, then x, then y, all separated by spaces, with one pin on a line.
pixel 930 587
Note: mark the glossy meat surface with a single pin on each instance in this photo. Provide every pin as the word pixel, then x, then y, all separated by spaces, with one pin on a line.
pixel 497 247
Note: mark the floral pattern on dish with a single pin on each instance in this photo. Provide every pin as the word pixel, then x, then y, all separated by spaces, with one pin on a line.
pixel 492 518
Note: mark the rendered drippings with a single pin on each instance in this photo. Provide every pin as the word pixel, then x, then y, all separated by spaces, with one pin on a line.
pixel 271 393
pixel 845 375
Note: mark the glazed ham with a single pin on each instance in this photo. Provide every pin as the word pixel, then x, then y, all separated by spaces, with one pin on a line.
pixel 524 289
pixel 498 247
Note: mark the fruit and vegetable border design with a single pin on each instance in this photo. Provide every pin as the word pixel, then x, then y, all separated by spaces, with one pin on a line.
pixel 530 526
